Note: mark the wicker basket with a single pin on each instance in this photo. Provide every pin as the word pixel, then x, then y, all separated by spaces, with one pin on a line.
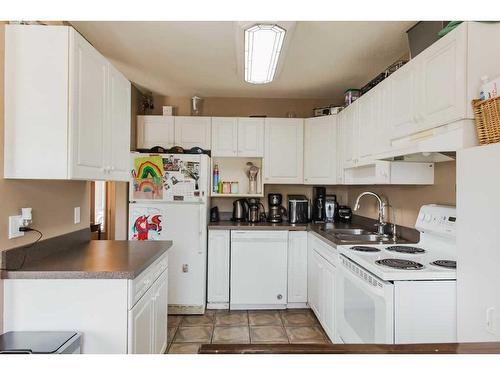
pixel 487 118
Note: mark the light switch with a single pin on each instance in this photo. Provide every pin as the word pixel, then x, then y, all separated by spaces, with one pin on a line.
pixel 77 215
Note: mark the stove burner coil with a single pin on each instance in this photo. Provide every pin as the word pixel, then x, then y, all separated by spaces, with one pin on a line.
pixel 451 264
pixel 401 264
pixel 406 249
pixel 366 249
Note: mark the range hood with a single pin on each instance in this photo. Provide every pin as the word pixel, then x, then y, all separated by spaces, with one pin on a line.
pixel 433 145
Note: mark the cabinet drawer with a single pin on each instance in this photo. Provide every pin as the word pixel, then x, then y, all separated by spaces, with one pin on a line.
pixel 322 248
pixel 139 286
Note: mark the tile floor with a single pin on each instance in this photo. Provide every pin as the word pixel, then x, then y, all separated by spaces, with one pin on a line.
pixel 187 332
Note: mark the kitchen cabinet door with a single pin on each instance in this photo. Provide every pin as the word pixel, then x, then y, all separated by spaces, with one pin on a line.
pixel 160 319
pixel 402 101
pixel 314 271
pixel 351 135
pixel 297 267
pixel 118 129
pixel 155 131
pixel 340 148
pixel 88 112
pixel 320 150
pixel 368 124
pixel 328 298
pixel 283 151
pixel 251 137
pixel 218 266
pixel 442 79
pixel 224 136
pixel 193 131
pixel 141 325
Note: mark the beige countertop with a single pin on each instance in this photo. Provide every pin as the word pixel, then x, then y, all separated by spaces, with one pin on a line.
pixel 94 260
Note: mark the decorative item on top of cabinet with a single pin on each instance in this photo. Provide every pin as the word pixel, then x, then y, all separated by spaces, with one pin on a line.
pixel 283 150
pixel 79 115
pixel 320 150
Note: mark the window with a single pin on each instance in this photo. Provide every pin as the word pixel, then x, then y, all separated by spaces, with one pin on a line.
pixel 100 204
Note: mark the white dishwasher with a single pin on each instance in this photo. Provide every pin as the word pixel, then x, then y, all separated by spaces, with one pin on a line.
pixel 258 269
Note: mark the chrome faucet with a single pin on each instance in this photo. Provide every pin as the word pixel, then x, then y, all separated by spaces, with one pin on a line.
pixel 382 206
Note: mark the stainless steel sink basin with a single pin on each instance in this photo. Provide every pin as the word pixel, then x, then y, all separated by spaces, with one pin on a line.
pixel 347 231
pixel 362 238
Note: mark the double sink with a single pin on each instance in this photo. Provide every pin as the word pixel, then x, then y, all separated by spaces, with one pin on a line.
pixel 355 236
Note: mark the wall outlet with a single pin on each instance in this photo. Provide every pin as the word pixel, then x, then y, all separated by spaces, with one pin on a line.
pixel 77 215
pixel 14 225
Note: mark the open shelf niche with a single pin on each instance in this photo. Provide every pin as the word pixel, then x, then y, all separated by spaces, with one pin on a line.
pixel 234 169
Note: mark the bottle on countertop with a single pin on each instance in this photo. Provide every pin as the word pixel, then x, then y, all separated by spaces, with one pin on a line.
pixel 216 179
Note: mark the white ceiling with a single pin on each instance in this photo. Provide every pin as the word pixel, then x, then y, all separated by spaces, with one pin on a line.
pixel 187 58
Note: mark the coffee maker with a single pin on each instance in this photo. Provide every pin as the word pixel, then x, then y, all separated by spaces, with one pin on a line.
pixel 276 210
pixel 318 208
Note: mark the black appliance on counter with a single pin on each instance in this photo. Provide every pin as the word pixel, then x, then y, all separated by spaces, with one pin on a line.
pixel 214 214
pixel 254 213
pixel 276 210
pixel 345 214
pixel 298 209
pixel 240 210
pixel 318 208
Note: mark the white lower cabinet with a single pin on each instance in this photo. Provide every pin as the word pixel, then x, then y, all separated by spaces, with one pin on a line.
pixel 218 268
pixel 321 283
pixel 297 268
pixel 115 316
pixel 141 325
pixel 147 322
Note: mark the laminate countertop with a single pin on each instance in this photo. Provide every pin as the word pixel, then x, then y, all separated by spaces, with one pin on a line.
pixel 93 260
pixel 320 229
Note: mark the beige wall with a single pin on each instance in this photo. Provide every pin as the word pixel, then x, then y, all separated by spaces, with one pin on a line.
pixel 407 200
pixel 242 106
pixel 52 201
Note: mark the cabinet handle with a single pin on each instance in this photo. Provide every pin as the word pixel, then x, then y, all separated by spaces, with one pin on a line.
pixel 279 296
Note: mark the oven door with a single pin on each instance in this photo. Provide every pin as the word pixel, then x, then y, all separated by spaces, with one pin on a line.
pixel 365 306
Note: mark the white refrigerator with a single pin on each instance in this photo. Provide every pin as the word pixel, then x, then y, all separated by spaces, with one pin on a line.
pixel 168 200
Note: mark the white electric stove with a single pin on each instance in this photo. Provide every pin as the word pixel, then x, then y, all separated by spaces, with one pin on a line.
pixel 401 293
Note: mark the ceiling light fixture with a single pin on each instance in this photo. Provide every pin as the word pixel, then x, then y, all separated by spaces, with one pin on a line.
pixel 263 44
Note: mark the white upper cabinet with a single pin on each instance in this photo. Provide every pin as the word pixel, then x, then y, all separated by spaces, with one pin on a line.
pixel 224 136
pixel 320 150
pixel 79 112
pixel 283 150
pixel 232 136
pixel 350 129
pixel 192 131
pixel 88 109
pixel 402 100
pixel 251 137
pixel 119 129
pixel 442 80
pixel 155 131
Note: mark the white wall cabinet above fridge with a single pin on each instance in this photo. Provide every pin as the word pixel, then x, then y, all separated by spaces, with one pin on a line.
pixel 237 137
pixel 67 109
pixel 320 150
pixel 169 131
pixel 283 150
